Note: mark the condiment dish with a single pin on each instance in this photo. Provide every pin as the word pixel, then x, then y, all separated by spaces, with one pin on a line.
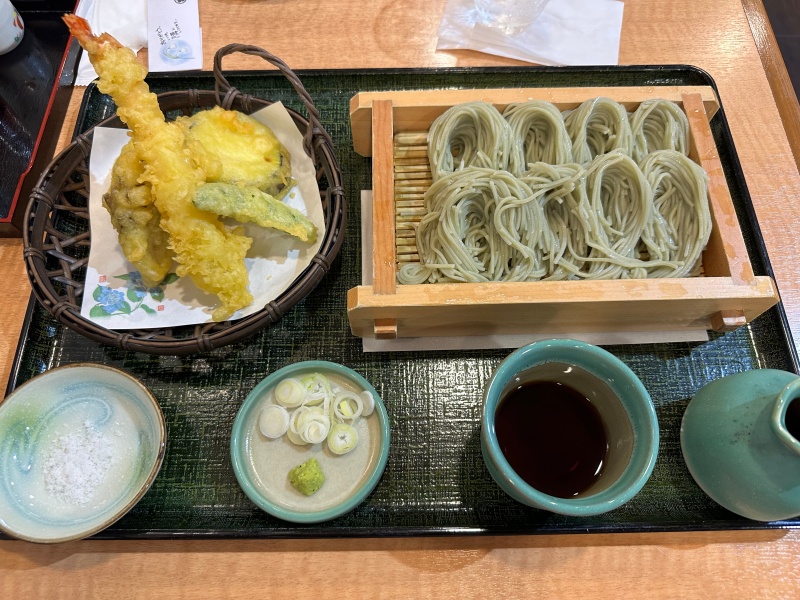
pixel 626 416
pixel 81 445
pixel 262 464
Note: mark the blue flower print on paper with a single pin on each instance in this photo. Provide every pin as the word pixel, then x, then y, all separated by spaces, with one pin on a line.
pixel 110 301
pixel 176 51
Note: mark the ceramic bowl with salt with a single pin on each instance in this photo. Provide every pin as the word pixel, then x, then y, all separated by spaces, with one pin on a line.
pixel 81 445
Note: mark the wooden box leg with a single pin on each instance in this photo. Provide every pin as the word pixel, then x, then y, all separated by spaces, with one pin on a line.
pixel 728 320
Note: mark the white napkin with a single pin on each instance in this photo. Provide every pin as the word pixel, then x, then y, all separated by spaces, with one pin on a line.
pixel 126 20
pixel 568 32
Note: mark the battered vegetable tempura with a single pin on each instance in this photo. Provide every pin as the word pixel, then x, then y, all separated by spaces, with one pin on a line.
pixel 251 205
pixel 234 148
pixel 138 223
pixel 205 250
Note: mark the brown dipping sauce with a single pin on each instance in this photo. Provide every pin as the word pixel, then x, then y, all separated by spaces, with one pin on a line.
pixel 552 436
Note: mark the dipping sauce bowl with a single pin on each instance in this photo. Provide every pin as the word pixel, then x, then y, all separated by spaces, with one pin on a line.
pixel 577 424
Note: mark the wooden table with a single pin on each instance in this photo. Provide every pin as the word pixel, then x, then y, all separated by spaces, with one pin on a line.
pixel 728 38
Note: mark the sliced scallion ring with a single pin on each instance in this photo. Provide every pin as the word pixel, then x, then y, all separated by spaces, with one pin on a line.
pixel 316 430
pixel 317 388
pixel 369 403
pixel 295 438
pixel 301 416
pixel 342 438
pixel 290 392
pixel 347 406
pixel 273 421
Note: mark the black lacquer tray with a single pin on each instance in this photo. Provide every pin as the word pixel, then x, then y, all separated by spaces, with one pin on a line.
pixel 33 98
pixel 435 481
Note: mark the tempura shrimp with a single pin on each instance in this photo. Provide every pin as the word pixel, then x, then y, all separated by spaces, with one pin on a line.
pixel 205 250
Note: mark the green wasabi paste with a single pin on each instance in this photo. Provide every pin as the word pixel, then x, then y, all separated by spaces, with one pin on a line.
pixel 308 477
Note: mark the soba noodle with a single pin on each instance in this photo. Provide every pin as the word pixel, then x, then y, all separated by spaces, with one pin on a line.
pixel 539 135
pixel 658 125
pixel 561 191
pixel 598 126
pixel 470 134
pixel 481 225
pixel 546 218
pixel 681 223
pixel 621 203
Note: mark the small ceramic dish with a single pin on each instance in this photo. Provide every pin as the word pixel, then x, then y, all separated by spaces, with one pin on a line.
pixel 622 403
pixel 262 464
pixel 81 445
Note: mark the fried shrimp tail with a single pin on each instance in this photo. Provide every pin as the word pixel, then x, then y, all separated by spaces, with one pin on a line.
pixel 205 250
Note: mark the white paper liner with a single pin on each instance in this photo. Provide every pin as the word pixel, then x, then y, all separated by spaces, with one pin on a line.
pixel 274 260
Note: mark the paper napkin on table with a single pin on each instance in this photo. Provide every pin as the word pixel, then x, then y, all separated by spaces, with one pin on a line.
pixel 170 30
pixel 568 32
pixel 126 20
pixel 175 41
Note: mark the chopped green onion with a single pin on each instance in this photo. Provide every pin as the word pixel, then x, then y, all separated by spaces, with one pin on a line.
pixel 295 439
pixel 317 388
pixel 314 404
pixel 369 403
pixel 301 416
pixel 290 393
pixel 347 406
pixel 316 430
pixel 342 438
pixel 273 421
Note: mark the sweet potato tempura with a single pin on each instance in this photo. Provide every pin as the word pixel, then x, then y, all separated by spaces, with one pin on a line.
pixel 205 250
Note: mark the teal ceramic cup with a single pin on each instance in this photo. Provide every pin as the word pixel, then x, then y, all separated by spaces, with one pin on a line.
pixel 624 407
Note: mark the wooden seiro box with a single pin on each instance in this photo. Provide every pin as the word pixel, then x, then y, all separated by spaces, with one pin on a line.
pixel 727 296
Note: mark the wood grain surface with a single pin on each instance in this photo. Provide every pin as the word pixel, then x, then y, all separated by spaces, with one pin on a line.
pixel 714 35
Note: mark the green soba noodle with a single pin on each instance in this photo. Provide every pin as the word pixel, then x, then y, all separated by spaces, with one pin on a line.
pixel 470 134
pixel 621 203
pixel 681 223
pixel 658 125
pixel 561 191
pixel 539 135
pixel 598 126
pixel 481 225
pixel 604 218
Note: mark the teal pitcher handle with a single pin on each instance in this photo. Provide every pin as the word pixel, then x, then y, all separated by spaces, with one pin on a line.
pixel 787 395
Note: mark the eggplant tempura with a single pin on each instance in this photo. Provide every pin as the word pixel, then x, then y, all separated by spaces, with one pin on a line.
pixel 235 148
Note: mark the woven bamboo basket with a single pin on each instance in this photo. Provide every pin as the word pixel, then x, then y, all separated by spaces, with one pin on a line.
pixel 57 236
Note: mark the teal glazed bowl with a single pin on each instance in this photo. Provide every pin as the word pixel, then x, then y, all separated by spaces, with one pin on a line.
pixel 624 406
pixel 262 464
pixel 80 445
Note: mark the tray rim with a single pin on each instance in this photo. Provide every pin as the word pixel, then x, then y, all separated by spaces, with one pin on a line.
pixel 290 532
pixel 63 70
